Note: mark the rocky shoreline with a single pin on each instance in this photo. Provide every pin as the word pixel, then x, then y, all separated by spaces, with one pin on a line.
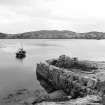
pixel 65 81
pixel 40 97
pixel 78 79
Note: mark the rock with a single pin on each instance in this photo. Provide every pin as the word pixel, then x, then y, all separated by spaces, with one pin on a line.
pixel 63 74
pixel 66 62
pixel 57 94
pixel 88 100
pixel 61 79
pixel 47 85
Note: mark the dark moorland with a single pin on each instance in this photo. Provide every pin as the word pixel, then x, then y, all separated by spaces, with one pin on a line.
pixel 54 34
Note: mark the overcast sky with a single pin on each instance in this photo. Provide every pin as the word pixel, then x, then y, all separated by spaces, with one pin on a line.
pixel 18 16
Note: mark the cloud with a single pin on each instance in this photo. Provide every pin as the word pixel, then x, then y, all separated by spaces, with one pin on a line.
pixel 12 2
pixel 25 15
pixel 78 8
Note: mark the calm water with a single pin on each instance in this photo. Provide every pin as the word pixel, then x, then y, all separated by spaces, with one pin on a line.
pixel 16 74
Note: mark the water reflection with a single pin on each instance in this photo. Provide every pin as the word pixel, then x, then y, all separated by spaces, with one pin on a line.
pixel 20 60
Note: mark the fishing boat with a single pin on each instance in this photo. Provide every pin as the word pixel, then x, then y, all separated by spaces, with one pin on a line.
pixel 21 54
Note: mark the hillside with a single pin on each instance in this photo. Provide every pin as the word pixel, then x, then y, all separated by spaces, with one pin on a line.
pixel 54 34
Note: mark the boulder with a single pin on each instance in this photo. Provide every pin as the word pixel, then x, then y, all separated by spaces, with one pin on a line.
pixel 82 81
pixel 76 78
pixel 66 62
pixel 61 79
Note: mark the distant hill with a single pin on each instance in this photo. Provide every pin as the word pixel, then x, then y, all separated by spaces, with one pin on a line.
pixel 54 34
